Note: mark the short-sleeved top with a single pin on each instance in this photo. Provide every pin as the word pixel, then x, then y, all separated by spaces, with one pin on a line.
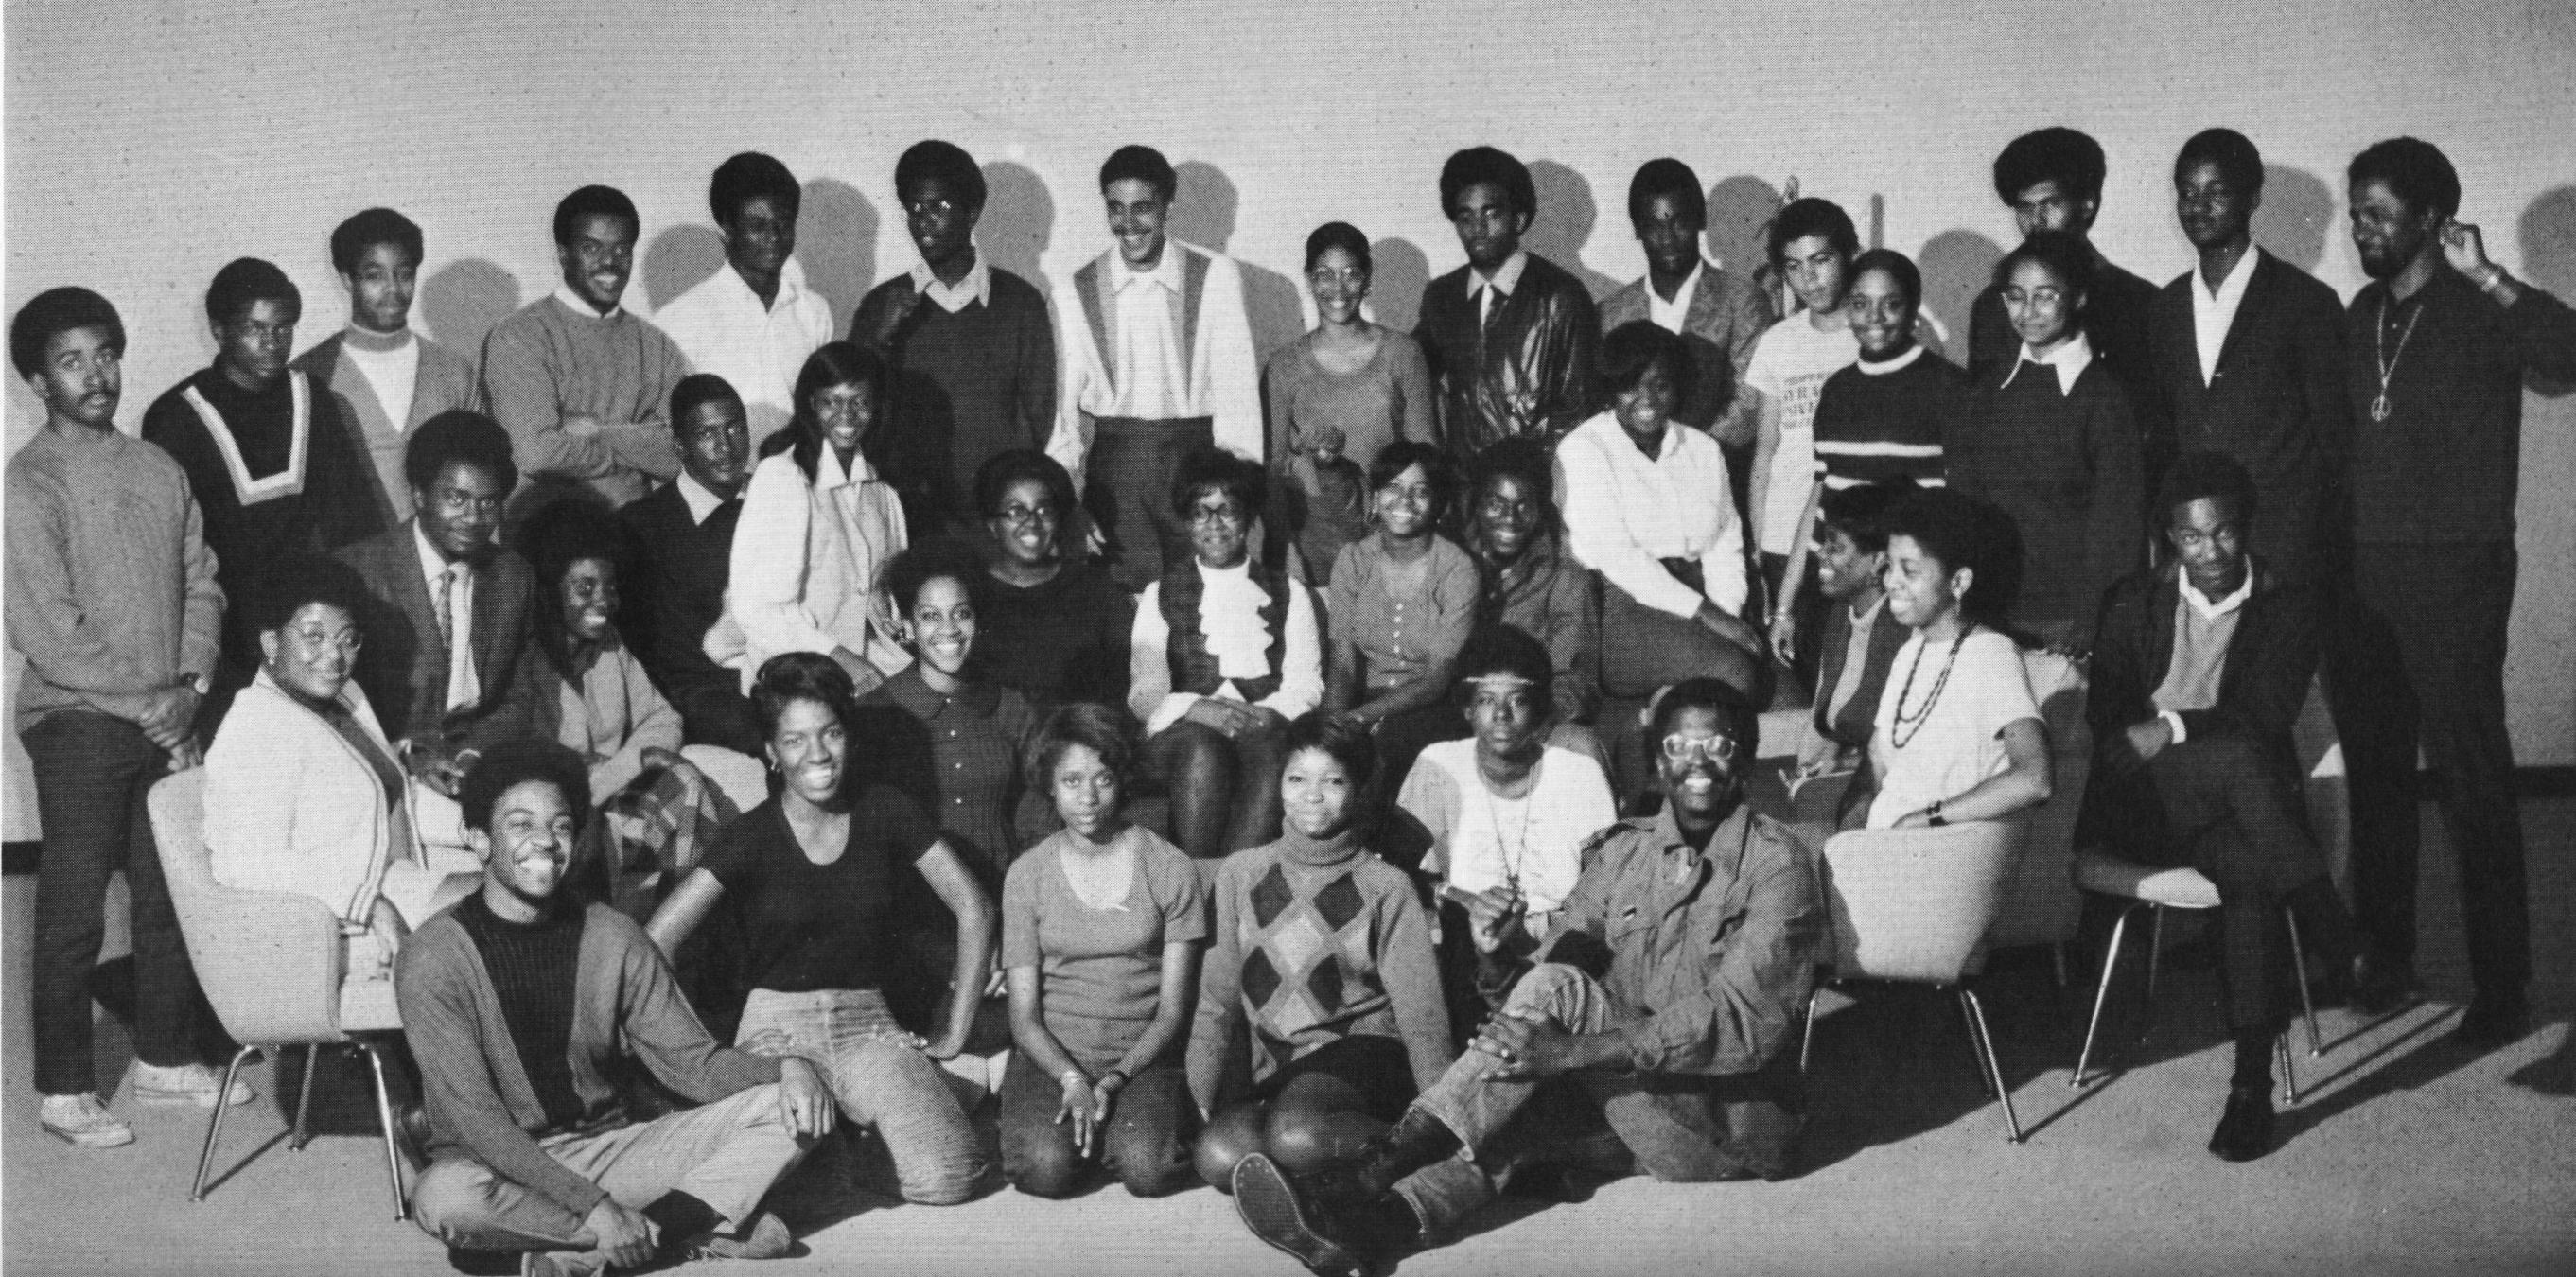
pixel 1100 971
pixel 1959 743
pixel 1790 367
pixel 1480 839
pixel 808 926
pixel 1403 617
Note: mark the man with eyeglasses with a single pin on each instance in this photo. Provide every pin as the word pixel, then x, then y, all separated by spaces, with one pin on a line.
pixel 448 612
pixel 754 321
pixel 973 349
pixel 579 381
pixel 1645 1032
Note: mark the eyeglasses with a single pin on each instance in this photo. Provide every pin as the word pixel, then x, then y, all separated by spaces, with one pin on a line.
pixel 1691 749
pixel 1023 515
pixel 315 642
pixel 2042 296
pixel 930 208
pixel 1230 516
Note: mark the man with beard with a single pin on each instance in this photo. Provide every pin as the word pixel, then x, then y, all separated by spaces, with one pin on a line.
pixel 1657 1006
pixel 1511 335
pixel 2437 346
pixel 683 539
pixel 384 378
pixel 754 321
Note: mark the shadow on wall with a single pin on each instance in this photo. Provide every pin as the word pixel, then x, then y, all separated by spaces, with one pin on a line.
pixel 1203 213
pixel 463 300
pixel 1956 266
pixel 2548 233
pixel 836 243
pixel 679 259
pixel 1018 222
pixel 1398 271
pixel 1566 215
pixel 1740 210
pixel 2297 213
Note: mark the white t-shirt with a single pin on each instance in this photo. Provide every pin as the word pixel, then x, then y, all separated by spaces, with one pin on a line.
pixel 1480 839
pixel 1789 366
pixel 1959 743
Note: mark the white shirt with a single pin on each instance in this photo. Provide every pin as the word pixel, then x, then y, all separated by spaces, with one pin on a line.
pixel 391 374
pixel 1506 281
pixel 976 286
pixel 2199 602
pixel 1148 366
pixel 1146 374
pixel 722 327
pixel 1790 366
pixel 795 587
pixel 1668 315
pixel 2213 311
pixel 1230 620
pixel 1957 744
pixel 2068 361
pixel 700 500
pixel 1623 512
pixel 463 688
pixel 580 305
pixel 1480 839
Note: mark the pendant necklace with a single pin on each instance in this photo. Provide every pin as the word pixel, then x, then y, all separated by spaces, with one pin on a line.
pixel 2388 361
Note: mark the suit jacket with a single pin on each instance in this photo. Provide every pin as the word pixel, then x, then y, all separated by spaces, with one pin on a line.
pixel 2269 663
pixel 1530 375
pixel 404 668
pixel 1726 319
pixel 2276 403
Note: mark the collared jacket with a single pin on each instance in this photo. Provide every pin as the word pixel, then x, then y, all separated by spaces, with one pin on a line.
pixel 1530 374
pixel 2270 661
pixel 1712 954
pixel 1727 316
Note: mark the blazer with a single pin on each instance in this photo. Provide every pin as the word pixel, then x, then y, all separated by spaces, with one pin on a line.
pixel 2269 661
pixel 1530 375
pixel 404 667
pixel 292 807
pixel 445 381
pixel 1725 321
pixel 2276 403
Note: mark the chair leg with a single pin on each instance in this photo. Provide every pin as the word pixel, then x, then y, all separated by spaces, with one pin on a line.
pixel 2155 955
pixel 2101 996
pixel 2307 1000
pixel 304 1098
pixel 385 1116
pixel 1807 1035
pixel 1994 1066
pixel 2289 1077
pixel 1976 1047
pixel 215 1124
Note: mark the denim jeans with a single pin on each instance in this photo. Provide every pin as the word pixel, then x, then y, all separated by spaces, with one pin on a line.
pixel 881 1081
pixel 1677 1128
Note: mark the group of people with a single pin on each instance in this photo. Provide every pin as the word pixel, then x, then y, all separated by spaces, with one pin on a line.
pixel 1323 777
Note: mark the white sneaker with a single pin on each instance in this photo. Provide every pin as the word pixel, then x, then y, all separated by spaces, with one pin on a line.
pixel 82 1120
pixel 196 1084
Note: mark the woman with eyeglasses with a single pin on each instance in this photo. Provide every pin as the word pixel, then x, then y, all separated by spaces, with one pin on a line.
pixel 1052 625
pixel 1223 654
pixel 303 792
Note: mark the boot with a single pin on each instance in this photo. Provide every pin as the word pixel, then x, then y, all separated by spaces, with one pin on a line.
pixel 1416 1140
pixel 1332 1238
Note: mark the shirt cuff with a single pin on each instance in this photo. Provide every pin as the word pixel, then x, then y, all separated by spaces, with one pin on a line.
pixel 2174 721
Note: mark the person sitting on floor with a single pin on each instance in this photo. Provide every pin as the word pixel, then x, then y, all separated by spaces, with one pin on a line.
pixel 1323 951
pixel 520 1007
pixel 1660 1005
pixel 2199 670
pixel 1102 928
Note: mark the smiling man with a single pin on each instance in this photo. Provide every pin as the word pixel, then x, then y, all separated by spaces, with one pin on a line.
pixel 1511 336
pixel 754 321
pixel 384 378
pixel 683 538
pixel 1656 1007
pixel 580 382
pixel 523 1008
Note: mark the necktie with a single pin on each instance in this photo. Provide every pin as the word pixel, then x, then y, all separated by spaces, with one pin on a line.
pixel 1493 306
pixel 453 603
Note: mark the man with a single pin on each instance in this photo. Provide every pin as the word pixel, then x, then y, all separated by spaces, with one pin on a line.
pixel 2199 670
pixel 2247 353
pixel 1158 363
pixel 1659 1004
pixel 274 469
pixel 449 664
pixel 112 600
pixel 754 321
pixel 1812 243
pixel 2052 181
pixel 975 367
pixel 1511 336
pixel 2437 346
pixel 1721 315
pixel 383 378
pixel 578 381
pixel 521 1008
pixel 683 535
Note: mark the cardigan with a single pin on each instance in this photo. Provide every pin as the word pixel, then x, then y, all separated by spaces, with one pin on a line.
pixel 443 381
pixel 1726 319
pixel 291 806
pixel 1224 374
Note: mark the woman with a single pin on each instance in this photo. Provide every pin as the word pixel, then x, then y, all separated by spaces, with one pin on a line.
pixel 2053 442
pixel 1530 585
pixel 1648 507
pixel 1341 393
pixel 1052 625
pixel 1324 952
pixel 817 525
pixel 303 792
pixel 1958 736
pixel 657 811
pixel 1223 653
pixel 1102 926
pixel 1401 606
pixel 810 873
pixel 1860 638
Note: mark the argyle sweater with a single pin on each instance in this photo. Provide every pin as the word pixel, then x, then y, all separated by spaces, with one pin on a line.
pixel 1316 941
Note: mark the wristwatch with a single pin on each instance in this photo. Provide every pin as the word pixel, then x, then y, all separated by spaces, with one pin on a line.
pixel 1932 815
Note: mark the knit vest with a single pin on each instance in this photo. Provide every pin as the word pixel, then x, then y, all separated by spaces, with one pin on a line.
pixel 1194 670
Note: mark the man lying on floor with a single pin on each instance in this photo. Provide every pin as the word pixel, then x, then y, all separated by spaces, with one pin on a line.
pixel 1643 1033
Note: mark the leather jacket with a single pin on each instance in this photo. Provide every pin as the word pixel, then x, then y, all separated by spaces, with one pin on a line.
pixel 1531 374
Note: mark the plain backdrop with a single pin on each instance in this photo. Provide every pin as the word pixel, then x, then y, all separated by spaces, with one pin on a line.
pixel 149 143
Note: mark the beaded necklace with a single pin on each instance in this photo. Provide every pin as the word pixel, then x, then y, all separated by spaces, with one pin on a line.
pixel 1898 734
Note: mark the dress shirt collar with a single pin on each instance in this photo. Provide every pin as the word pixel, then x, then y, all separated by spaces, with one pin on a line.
pixel 580 305
pixel 702 501
pixel 791 286
pixel 433 565
pixel 1886 366
pixel 1167 270
pixel 2233 285
pixel 1507 279
pixel 977 286
pixel 2201 603
pixel 1670 315
pixel 2068 361
pixel 914 695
